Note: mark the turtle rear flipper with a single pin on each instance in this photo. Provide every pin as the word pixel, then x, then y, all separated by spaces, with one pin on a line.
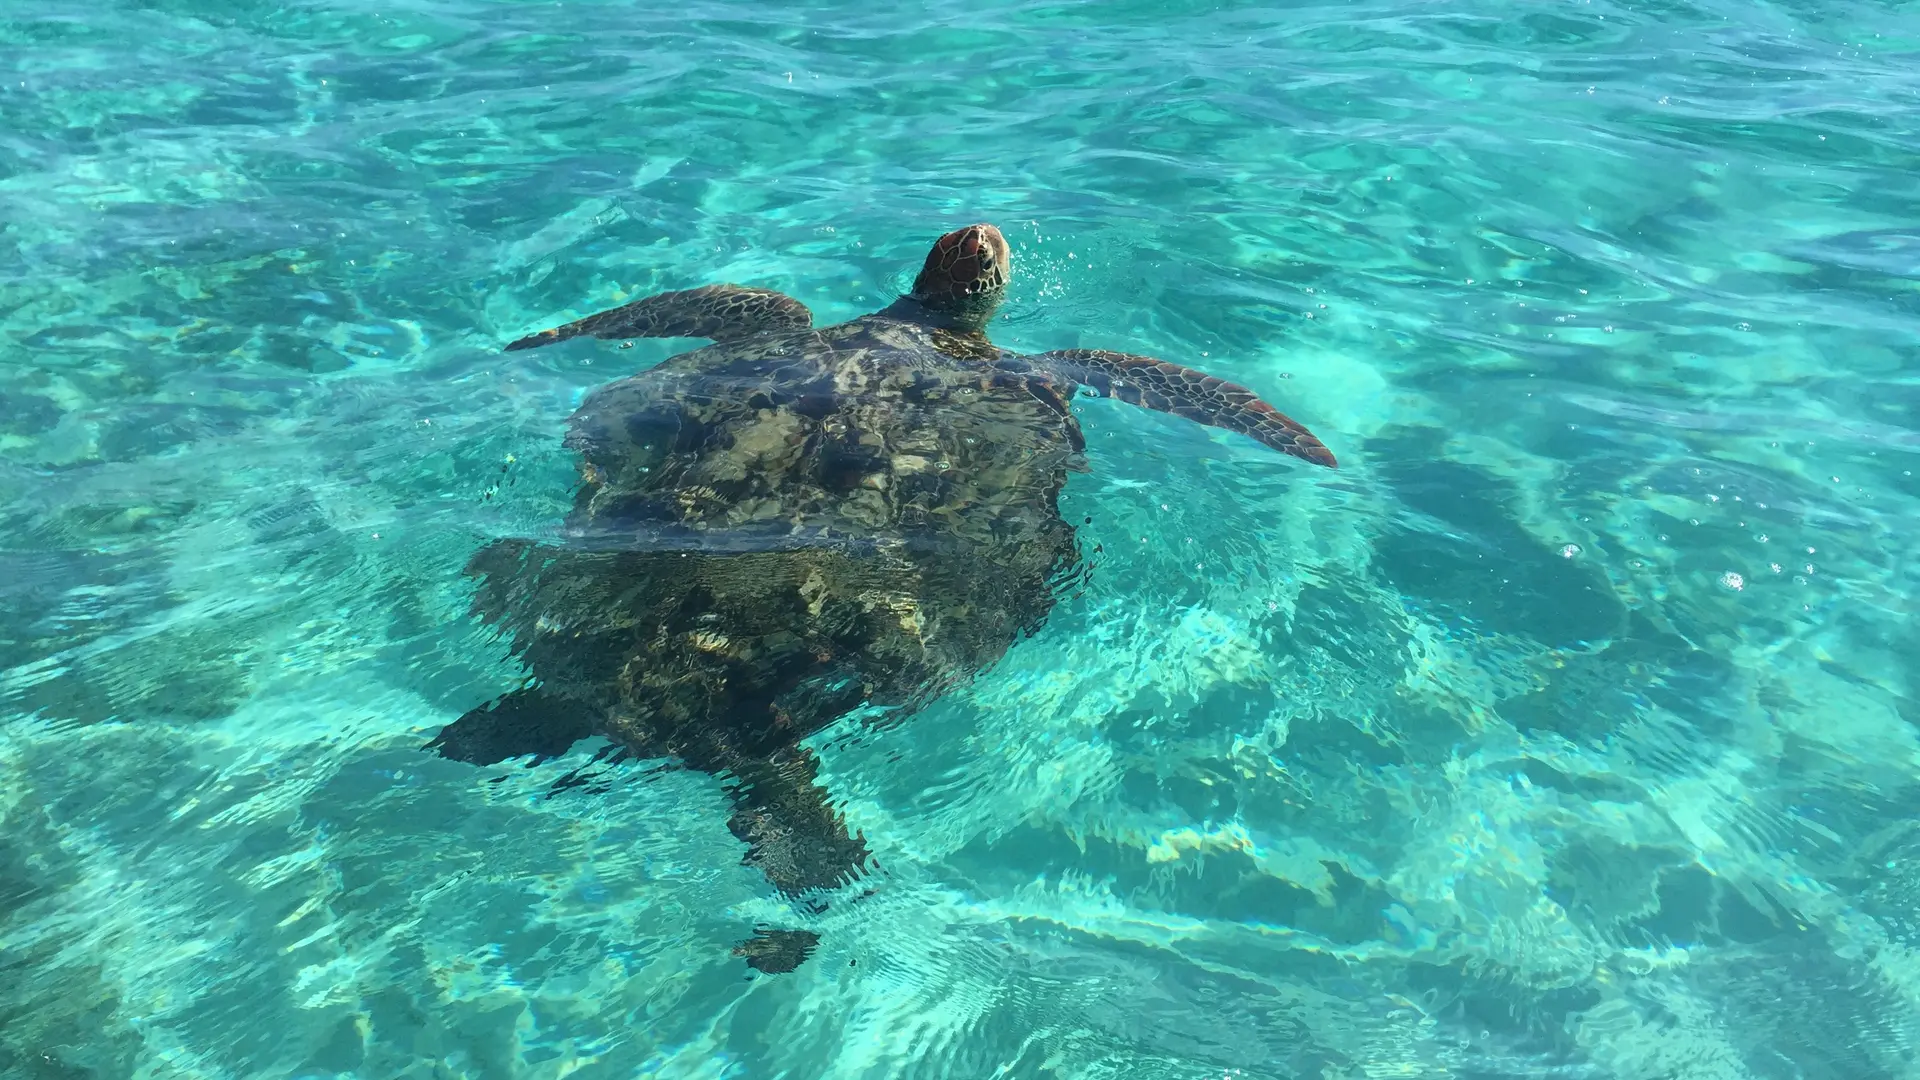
pixel 718 312
pixel 793 835
pixel 1182 391
pixel 777 951
pixel 527 721
pixel 797 840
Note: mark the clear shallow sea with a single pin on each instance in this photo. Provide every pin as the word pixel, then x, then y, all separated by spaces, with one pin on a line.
pixel 1568 731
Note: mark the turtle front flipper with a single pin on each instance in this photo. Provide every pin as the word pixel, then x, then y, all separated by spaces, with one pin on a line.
pixel 1182 391
pixel 718 312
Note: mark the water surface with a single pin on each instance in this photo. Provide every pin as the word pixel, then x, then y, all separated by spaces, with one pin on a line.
pixel 1568 730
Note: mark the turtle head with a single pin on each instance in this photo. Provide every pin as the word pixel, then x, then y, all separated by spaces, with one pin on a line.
pixel 965 277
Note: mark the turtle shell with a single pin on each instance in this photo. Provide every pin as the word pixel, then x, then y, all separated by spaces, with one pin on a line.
pixel 790 526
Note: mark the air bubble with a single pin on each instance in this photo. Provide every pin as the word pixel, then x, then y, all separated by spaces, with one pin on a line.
pixel 1733 581
pixel 1569 551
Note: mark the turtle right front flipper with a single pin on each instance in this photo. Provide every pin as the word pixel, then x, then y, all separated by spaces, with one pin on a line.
pixel 717 312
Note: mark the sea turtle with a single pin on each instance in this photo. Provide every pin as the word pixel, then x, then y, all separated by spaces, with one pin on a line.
pixel 795 523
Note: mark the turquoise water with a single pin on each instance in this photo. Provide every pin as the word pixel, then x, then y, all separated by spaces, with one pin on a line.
pixel 1568 730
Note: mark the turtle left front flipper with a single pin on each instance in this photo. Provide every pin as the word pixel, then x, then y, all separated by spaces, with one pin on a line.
pixel 717 312
pixel 1169 388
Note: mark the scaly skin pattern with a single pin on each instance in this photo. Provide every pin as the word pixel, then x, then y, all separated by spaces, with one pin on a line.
pixel 1182 391
pixel 965 276
pixel 715 312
